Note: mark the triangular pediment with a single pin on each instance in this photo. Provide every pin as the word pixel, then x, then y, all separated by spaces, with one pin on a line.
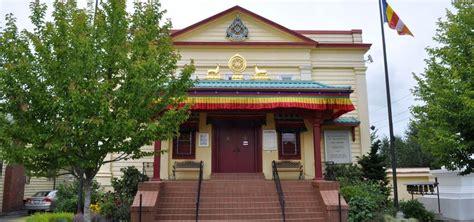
pixel 260 30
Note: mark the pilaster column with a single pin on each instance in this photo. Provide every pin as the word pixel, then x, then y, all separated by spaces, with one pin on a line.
pixel 318 169
pixel 157 161
pixel 305 72
pixel 362 109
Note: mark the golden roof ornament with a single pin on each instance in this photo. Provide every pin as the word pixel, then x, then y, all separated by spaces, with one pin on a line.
pixel 214 74
pixel 260 74
pixel 237 64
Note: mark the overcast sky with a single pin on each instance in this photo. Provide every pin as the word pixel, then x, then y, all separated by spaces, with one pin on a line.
pixel 405 53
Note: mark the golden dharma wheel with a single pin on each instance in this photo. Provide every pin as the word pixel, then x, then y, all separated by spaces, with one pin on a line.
pixel 237 64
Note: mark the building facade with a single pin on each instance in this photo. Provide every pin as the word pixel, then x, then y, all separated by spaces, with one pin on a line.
pixel 265 92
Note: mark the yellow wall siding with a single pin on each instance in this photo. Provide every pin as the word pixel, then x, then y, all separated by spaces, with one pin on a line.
pixel 268 57
pixel 37 184
pixel 215 31
pixel 335 38
pixel 330 38
pixel 2 180
pixel 337 58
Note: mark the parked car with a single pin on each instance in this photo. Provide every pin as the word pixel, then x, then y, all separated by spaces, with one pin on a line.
pixel 41 201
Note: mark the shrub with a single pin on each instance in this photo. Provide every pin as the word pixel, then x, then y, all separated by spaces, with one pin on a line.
pixel 127 185
pixel 373 168
pixel 116 206
pixel 361 208
pixel 414 209
pixel 343 172
pixel 50 217
pixel 67 196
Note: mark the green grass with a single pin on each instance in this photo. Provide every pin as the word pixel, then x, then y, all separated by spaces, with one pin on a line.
pixel 50 217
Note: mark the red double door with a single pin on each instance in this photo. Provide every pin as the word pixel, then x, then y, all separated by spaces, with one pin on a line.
pixel 236 149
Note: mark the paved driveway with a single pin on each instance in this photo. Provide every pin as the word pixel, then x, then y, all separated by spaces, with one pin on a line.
pixel 19 216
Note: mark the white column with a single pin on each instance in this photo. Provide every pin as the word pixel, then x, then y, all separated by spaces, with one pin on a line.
pixel 363 109
pixel 164 163
pixel 104 176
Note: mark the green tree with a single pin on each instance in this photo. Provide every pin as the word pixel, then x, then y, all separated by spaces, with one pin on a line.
pixel 373 167
pixel 446 88
pixel 409 151
pixel 88 84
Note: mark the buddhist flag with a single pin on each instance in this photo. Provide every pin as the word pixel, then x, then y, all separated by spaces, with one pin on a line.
pixel 394 22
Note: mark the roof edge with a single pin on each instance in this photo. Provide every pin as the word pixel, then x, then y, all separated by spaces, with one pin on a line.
pixel 252 14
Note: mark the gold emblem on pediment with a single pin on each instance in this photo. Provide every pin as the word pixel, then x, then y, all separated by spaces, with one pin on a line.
pixel 237 64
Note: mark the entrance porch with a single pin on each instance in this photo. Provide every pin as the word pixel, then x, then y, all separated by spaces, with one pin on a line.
pixel 242 126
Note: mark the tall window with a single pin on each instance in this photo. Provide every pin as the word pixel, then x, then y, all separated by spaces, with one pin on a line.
pixel 184 146
pixel 289 145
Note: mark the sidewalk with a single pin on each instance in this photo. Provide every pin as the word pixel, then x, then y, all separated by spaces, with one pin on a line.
pixel 16 216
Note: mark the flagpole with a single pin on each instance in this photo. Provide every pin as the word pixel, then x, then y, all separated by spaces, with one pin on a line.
pixel 389 107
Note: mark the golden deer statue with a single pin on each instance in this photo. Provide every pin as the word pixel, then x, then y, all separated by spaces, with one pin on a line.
pixel 214 73
pixel 260 74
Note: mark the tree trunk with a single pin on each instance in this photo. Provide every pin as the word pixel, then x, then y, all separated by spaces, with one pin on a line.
pixel 79 196
pixel 87 199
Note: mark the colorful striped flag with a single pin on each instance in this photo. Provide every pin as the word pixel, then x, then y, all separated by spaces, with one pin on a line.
pixel 394 22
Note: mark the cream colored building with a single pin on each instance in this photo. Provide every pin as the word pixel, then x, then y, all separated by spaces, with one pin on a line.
pixel 265 92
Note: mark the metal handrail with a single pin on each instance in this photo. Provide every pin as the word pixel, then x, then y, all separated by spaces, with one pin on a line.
pixel 198 199
pixel 281 196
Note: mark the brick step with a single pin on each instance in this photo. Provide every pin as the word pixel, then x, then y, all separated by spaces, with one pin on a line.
pixel 237 210
pixel 236 194
pixel 233 182
pixel 270 189
pixel 235 199
pixel 239 216
pixel 237 176
pixel 235 187
pixel 304 204
pixel 265 220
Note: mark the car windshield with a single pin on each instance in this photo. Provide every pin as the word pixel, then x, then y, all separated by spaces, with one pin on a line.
pixel 41 194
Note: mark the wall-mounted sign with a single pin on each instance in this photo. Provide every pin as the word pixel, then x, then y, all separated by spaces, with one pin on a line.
pixel 269 140
pixel 203 140
pixel 337 146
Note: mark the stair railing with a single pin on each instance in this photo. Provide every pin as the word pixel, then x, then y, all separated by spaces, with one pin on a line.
pixel 198 199
pixel 281 197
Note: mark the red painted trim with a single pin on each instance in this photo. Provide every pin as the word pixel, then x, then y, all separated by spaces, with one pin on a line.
pixel 245 11
pixel 318 169
pixel 345 45
pixel 330 32
pixel 157 162
pixel 318 32
pixel 273 44
pixel 246 44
